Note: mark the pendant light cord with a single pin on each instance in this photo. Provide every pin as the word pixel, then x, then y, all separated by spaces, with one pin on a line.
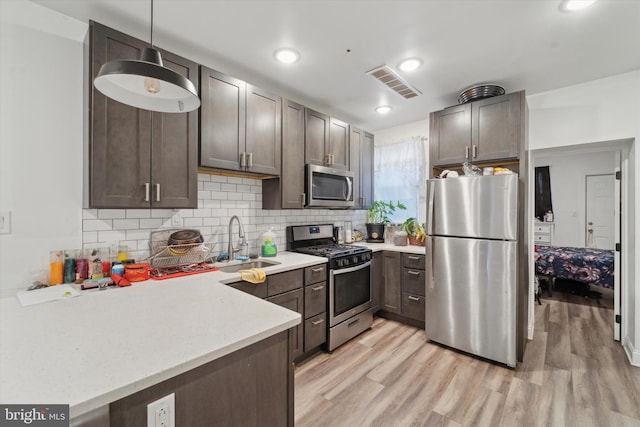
pixel 152 23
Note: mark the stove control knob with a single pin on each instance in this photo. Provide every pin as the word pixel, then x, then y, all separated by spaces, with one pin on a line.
pixel 354 259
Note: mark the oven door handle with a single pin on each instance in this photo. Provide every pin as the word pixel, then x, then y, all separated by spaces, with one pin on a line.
pixel 351 269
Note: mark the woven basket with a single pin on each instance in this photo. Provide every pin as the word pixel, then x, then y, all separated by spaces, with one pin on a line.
pixel 414 241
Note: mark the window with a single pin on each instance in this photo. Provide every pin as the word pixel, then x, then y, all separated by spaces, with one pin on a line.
pixel 399 175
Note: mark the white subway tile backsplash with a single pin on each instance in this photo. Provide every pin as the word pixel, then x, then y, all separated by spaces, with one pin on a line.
pixel 138 213
pixel 161 213
pixel 212 186
pixel 219 198
pixel 192 222
pixel 204 195
pixel 111 213
pixel 96 225
pixel 126 224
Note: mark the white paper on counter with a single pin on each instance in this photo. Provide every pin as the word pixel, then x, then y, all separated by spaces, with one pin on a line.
pixel 51 293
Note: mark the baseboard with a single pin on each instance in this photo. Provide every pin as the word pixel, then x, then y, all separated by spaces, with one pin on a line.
pixel 632 354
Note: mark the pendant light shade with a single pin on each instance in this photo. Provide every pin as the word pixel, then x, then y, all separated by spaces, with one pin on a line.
pixel 147 83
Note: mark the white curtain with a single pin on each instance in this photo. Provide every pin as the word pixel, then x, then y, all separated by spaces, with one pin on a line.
pixel 400 175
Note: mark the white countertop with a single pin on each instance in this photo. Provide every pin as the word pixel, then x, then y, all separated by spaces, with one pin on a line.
pixel 99 347
pixel 377 247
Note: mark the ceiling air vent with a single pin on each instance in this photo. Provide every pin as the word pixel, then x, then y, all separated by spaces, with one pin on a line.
pixel 390 78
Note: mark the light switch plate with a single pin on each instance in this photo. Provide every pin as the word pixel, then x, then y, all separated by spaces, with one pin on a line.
pixel 5 222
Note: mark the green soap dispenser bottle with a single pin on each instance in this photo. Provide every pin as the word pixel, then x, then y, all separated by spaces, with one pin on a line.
pixel 269 248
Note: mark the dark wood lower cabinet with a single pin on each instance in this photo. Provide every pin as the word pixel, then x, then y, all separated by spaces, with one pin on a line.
pixel 250 387
pixel 294 301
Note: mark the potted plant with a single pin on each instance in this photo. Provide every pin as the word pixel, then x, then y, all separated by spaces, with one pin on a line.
pixel 415 231
pixel 378 215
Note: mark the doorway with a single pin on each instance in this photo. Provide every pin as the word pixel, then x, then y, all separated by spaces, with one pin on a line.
pixel 576 223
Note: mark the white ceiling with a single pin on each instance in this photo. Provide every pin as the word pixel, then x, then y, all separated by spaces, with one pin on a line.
pixel 519 44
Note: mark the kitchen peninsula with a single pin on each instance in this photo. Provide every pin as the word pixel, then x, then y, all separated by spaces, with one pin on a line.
pixel 102 351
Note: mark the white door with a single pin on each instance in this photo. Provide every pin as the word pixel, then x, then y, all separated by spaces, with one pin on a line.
pixel 600 212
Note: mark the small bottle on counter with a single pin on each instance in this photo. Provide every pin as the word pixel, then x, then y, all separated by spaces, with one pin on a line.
pixel 56 267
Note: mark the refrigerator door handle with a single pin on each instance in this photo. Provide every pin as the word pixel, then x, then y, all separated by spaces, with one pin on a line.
pixel 430 192
pixel 429 266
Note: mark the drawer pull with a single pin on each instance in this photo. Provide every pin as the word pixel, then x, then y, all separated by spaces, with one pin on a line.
pixel 413 273
pixel 413 257
pixel 317 270
pixel 317 322
pixel 317 288
pixel 412 298
pixel 350 324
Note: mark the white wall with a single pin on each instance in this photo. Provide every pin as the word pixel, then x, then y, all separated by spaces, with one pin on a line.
pixel 568 182
pixel 595 113
pixel 408 130
pixel 41 134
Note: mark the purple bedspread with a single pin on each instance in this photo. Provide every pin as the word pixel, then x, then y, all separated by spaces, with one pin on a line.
pixel 584 265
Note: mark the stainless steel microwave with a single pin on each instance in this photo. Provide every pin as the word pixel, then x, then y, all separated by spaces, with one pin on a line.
pixel 328 187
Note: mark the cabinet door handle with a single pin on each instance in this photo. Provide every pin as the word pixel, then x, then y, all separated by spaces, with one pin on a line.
pixel 475 151
pixel 146 191
pixel 303 199
pixel 243 160
pixel 317 288
pixel 466 152
pixel 249 160
pixel 412 298
pixel 157 192
pixel 413 257
pixel 317 322
pixel 317 270
pixel 413 273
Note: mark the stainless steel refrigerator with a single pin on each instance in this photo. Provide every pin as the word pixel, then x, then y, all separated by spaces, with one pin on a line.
pixel 472 264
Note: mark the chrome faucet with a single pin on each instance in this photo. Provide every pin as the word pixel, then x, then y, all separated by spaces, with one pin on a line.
pixel 243 240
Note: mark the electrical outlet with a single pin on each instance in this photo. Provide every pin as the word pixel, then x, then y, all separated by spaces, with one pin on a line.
pixel 5 222
pixel 161 413
pixel 176 220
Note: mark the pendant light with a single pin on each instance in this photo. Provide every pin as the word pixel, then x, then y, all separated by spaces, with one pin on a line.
pixel 147 83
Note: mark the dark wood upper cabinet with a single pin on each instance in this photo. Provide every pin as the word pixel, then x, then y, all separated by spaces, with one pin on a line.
pixel 366 171
pixel 361 164
pixel 326 140
pixel 264 138
pixel 138 159
pixel 495 124
pixel 287 191
pixel 479 131
pixel 338 148
pixel 240 125
pixel 222 116
pixel 316 137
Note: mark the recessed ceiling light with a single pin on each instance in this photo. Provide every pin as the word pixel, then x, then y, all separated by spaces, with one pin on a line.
pixel 286 55
pixel 410 64
pixel 383 109
pixel 571 5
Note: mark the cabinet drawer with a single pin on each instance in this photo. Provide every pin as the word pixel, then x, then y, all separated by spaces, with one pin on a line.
pixel 413 281
pixel 413 306
pixel 257 289
pixel 315 299
pixel 315 331
pixel 315 274
pixel 542 228
pixel 283 282
pixel 413 261
pixel 542 238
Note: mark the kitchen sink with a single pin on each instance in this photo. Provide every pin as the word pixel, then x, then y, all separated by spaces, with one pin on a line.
pixel 247 265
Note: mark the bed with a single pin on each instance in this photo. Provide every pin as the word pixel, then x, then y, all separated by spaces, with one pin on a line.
pixel 585 265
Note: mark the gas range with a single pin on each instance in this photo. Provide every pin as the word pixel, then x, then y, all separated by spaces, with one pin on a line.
pixel 318 240
pixel 340 256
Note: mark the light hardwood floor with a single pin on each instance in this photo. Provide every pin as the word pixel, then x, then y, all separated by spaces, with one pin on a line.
pixel 573 374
